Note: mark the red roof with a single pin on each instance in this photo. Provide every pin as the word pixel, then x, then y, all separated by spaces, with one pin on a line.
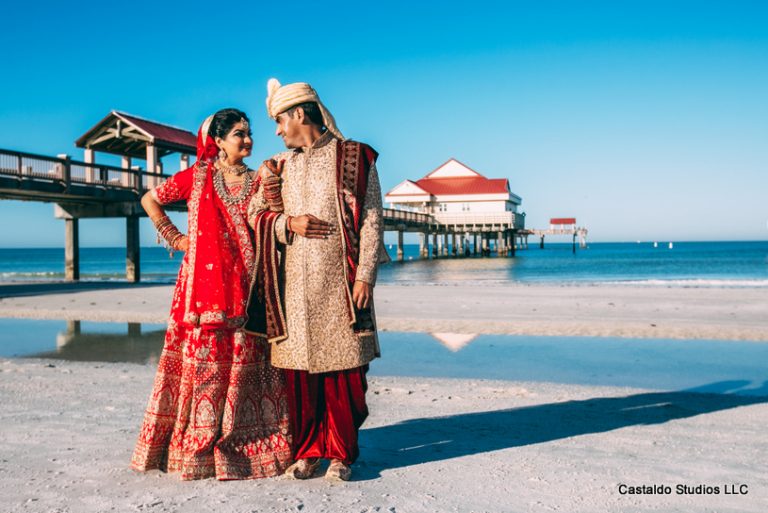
pixel 562 220
pixel 161 132
pixel 464 185
pixel 166 138
pixel 441 166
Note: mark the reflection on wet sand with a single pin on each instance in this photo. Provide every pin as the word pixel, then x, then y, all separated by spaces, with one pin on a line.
pixel 134 347
pixel 657 364
pixel 454 341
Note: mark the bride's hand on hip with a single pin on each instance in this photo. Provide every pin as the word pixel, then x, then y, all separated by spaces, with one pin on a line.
pixel 184 244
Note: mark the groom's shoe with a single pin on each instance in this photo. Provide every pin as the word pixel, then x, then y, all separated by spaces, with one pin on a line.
pixel 338 471
pixel 303 469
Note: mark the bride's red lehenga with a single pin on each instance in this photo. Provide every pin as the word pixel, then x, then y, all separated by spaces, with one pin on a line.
pixel 218 408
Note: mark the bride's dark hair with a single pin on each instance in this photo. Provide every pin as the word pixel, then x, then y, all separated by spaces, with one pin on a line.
pixel 224 120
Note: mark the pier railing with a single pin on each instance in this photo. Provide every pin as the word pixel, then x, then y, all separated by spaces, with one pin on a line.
pixel 508 219
pixel 47 178
pixel 66 171
pixel 391 214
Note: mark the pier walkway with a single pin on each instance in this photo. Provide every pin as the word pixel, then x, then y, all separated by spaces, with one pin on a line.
pixel 82 190
pixel 451 233
pixel 86 189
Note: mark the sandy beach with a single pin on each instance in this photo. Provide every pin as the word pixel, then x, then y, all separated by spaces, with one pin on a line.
pixel 430 445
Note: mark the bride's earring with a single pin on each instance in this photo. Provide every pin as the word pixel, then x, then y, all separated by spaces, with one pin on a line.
pixel 222 154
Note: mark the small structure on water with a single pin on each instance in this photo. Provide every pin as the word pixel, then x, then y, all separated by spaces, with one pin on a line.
pixel 561 226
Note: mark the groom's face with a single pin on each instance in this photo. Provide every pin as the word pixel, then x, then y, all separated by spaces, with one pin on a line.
pixel 288 127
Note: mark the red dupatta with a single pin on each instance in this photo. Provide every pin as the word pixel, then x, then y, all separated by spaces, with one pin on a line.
pixel 214 297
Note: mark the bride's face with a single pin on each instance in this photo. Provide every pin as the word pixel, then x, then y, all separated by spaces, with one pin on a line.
pixel 238 143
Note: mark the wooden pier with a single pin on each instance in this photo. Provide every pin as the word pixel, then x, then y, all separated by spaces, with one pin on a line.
pixel 452 234
pixel 86 189
pixel 82 189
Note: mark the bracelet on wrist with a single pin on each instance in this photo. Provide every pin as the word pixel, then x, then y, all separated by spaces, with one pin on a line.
pixel 167 233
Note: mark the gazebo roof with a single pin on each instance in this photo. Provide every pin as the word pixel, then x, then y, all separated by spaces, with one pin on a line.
pixel 125 134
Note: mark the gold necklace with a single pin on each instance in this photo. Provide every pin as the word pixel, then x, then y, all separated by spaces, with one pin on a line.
pixel 226 197
pixel 237 169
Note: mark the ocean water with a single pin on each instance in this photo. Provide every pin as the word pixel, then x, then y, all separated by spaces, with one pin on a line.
pixel 733 264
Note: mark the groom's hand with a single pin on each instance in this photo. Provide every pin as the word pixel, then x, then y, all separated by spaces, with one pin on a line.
pixel 362 293
pixel 310 227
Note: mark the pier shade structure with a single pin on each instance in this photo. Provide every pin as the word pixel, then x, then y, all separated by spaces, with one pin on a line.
pixel 87 189
pixel 461 211
pixel 561 226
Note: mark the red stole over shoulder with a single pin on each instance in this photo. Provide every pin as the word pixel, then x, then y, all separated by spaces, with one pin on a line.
pixel 215 298
pixel 353 165
pixel 266 317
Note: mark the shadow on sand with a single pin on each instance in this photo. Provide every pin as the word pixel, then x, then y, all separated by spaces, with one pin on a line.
pixel 440 438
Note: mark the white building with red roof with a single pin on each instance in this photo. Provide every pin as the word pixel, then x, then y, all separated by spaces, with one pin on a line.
pixel 455 194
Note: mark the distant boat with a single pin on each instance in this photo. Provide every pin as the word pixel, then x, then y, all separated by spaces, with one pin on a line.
pixel 655 244
pixel 671 245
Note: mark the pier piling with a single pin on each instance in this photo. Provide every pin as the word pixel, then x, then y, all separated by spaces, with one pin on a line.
pixel 424 245
pixel 134 329
pixel 133 253
pixel 71 249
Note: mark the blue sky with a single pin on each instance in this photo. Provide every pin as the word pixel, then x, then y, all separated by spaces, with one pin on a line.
pixel 644 120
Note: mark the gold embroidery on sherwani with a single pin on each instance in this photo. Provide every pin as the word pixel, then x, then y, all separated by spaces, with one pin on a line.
pixel 320 335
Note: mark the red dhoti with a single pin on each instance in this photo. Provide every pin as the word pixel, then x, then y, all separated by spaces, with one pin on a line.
pixel 327 411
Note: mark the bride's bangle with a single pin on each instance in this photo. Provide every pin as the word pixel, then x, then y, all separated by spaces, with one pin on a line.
pixel 167 232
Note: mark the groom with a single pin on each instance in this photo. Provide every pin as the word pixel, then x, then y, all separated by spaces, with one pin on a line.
pixel 330 272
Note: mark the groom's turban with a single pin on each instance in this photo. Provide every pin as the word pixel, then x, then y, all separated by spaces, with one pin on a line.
pixel 282 97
